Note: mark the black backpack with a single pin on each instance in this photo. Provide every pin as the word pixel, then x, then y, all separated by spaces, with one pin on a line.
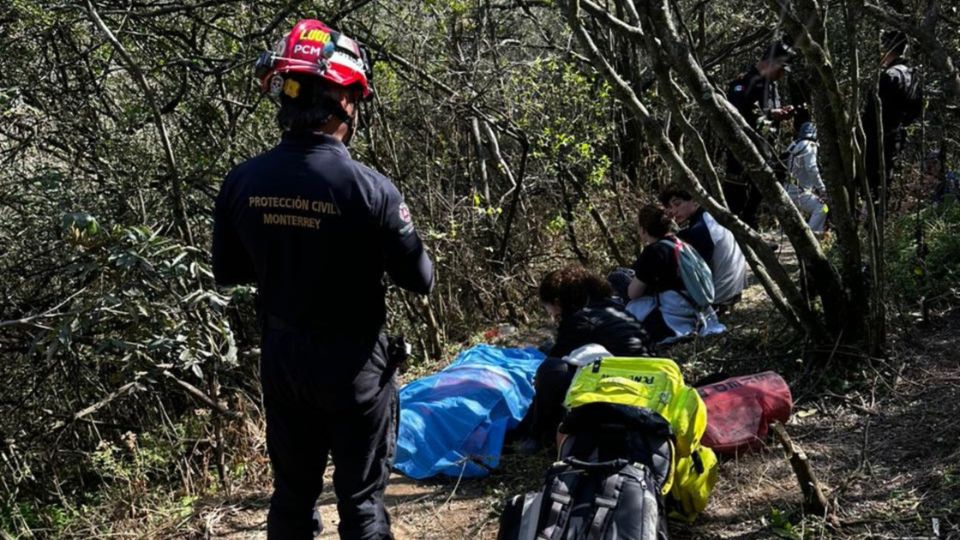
pixel 609 500
pixel 607 431
pixel 607 485
pixel 911 93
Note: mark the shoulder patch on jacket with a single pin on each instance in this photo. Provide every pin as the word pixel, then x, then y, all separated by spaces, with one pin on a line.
pixel 403 212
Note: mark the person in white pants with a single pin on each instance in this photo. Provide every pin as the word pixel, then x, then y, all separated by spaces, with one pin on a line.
pixel 806 187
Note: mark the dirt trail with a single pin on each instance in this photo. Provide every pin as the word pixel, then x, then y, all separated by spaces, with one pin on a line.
pixel 417 509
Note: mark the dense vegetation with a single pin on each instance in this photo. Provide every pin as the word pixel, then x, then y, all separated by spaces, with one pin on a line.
pixel 128 377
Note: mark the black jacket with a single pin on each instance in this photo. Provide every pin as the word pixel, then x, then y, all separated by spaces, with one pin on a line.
pixel 316 231
pixel 901 99
pixel 603 322
pixel 754 96
pixel 697 234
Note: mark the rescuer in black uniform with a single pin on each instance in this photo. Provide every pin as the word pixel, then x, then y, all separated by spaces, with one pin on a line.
pixel 316 231
pixel 901 102
pixel 755 94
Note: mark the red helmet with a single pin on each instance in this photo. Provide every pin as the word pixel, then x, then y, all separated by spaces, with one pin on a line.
pixel 313 48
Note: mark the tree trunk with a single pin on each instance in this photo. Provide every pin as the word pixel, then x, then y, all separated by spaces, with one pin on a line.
pixel 657 137
pixel 733 128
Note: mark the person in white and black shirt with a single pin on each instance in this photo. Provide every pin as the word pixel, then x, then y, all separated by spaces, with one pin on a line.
pixel 714 242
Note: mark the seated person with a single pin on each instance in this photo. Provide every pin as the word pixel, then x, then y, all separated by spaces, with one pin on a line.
pixel 580 302
pixel 658 297
pixel 714 242
pixel 805 187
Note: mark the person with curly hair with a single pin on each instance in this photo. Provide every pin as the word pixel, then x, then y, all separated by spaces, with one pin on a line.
pixel 580 302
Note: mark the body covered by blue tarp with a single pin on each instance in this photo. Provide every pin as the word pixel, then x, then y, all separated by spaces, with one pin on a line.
pixel 454 419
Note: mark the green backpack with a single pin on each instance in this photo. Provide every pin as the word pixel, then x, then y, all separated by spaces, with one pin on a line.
pixel 694 271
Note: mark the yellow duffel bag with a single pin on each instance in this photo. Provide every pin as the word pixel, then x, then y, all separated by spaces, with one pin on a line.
pixel 651 383
pixel 657 384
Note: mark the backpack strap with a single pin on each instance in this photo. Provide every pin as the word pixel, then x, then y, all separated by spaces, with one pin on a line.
pixel 605 502
pixel 559 498
pixel 697 462
pixel 674 243
pixel 529 515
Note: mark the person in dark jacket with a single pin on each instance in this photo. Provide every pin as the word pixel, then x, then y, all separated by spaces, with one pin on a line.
pixel 900 104
pixel 580 301
pixel 755 95
pixel 316 231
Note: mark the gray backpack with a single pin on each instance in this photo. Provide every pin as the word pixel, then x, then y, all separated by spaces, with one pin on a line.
pixel 695 273
pixel 612 500
pixel 615 462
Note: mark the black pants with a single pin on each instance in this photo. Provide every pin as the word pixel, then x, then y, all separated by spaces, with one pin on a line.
pixel 877 179
pixel 744 200
pixel 547 411
pixel 654 324
pixel 328 397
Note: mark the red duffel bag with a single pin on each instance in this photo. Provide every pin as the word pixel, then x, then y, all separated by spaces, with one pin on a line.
pixel 740 409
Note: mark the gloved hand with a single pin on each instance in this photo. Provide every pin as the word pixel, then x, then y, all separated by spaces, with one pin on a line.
pixel 824 199
pixel 398 350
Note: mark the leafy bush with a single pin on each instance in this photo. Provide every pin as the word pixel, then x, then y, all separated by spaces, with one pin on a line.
pixel 933 273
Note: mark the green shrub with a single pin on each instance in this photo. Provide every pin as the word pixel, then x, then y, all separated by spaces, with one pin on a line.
pixel 935 274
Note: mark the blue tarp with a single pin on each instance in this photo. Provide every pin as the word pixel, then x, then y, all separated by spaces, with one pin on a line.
pixel 453 422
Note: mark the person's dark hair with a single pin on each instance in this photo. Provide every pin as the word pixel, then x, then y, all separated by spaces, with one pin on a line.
pixel 311 108
pixel 573 287
pixel 671 191
pixel 894 41
pixel 653 219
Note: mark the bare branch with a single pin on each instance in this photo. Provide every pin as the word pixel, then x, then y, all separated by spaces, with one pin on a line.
pixel 200 395
pixel 177 196
pixel 668 153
